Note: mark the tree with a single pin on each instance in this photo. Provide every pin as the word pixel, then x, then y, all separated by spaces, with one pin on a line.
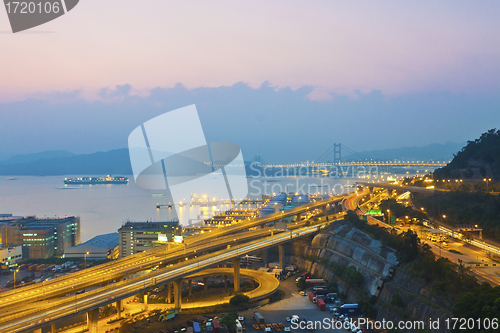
pixel 239 299
pixel 409 247
pixel 353 278
pixel 396 300
pixel 229 320
pixel 302 284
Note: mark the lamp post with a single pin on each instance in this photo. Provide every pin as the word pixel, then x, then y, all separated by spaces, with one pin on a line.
pixel 487 180
pixel 388 216
pixel 17 270
pixel 85 264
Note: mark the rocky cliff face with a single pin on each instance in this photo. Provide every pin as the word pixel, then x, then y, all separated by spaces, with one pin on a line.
pixel 343 244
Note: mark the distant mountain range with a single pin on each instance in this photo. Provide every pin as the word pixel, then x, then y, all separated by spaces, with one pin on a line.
pixel 26 158
pixel 55 163
pixel 432 152
pixel 117 162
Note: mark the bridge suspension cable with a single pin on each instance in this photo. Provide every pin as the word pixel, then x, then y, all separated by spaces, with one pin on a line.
pixel 352 152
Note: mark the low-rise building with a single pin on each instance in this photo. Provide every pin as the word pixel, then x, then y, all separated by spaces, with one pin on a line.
pixel 138 237
pixel 99 247
pixel 11 255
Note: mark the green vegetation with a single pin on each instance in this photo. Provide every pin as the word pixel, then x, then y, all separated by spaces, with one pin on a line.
pixel 353 278
pixel 302 284
pixel 400 211
pixel 472 300
pixel 482 302
pixel 368 307
pixel 407 244
pixel 229 320
pixel 397 301
pixel 465 208
pixel 478 154
pixel 441 275
pixel 239 299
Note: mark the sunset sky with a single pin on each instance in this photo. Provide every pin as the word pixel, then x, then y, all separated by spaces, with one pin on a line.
pixel 347 61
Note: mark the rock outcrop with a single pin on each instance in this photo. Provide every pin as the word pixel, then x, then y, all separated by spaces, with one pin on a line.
pixel 343 244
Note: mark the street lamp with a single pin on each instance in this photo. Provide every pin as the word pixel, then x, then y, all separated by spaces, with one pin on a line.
pixel 17 270
pixel 487 180
pixel 388 217
pixel 85 256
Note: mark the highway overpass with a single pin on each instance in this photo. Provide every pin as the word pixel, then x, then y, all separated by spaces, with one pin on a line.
pixel 400 187
pixel 39 312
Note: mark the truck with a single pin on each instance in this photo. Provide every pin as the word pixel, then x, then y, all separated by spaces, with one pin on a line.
pixel 238 327
pixel 312 298
pixel 259 319
pixel 196 327
pixel 350 309
pixel 273 265
pixel 321 292
pixel 321 304
pixel 216 326
pixel 316 282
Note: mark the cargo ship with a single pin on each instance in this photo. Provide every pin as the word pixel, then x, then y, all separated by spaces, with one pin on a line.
pixel 96 180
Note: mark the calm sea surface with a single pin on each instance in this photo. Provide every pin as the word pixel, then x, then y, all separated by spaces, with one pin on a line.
pixel 104 208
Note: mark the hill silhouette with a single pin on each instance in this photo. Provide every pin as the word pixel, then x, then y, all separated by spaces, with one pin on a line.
pixel 478 159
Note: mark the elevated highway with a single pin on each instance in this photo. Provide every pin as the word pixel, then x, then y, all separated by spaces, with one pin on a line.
pixel 401 187
pixel 47 312
pixel 117 270
pixel 268 284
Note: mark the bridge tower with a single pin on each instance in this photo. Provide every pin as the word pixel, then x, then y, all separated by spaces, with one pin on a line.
pixel 337 157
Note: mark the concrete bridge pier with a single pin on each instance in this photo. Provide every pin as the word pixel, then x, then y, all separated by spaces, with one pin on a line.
pixel 264 257
pixel 190 287
pixel 205 283
pixel 225 281
pixel 236 265
pixel 145 302
pixel 92 321
pixel 38 331
pixel 177 293
pixel 280 250
pixel 169 293
pixel 53 328
pixel 118 309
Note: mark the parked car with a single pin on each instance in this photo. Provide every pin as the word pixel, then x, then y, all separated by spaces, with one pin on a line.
pixel 303 293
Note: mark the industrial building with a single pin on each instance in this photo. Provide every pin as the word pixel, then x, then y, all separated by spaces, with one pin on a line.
pixel 299 200
pixel 138 237
pixel 11 255
pixel 99 247
pixel 40 238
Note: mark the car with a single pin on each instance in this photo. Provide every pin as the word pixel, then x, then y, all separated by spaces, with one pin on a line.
pixel 287 329
pixel 303 293
pixel 288 319
pixel 241 319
